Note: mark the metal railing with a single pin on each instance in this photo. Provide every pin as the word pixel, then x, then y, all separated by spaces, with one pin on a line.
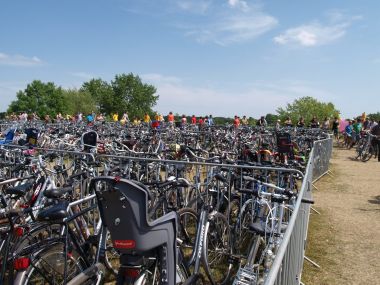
pixel 288 264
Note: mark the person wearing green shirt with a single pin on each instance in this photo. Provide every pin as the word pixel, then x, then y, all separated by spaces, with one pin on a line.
pixel 357 128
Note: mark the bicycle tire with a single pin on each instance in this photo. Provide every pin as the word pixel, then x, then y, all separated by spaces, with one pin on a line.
pixel 242 235
pixel 47 264
pixel 367 153
pixel 187 230
pixel 217 249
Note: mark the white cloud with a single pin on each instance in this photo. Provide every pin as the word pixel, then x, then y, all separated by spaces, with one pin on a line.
pixel 227 22
pixel 234 29
pixel 18 60
pixel 317 34
pixel 313 34
pixel 241 4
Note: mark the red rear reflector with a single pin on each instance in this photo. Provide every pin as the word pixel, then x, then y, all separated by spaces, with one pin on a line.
pixel 19 231
pixel 133 273
pixel 21 263
pixel 124 244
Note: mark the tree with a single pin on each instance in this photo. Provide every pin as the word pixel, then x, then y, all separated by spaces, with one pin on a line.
pixel 271 119
pixel 126 93
pixel 78 101
pixel 132 95
pixel 307 107
pixel 39 97
pixel 102 94
pixel 374 116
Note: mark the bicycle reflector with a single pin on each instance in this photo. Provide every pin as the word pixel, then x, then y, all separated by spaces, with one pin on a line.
pixel 132 272
pixel 19 231
pixel 21 263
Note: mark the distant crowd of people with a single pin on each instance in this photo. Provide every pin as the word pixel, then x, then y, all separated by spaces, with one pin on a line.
pixel 353 127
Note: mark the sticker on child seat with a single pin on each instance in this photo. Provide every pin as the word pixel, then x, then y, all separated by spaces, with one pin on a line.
pixel 124 244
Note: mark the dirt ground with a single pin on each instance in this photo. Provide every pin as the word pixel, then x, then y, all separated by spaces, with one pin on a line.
pixel 345 238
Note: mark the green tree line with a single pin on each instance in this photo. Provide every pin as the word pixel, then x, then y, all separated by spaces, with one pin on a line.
pixel 126 93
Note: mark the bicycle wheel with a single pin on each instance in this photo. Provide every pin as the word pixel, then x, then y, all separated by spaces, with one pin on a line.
pixel 48 267
pixel 112 258
pixel 217 249
pixel 367 153
pixel 359 151
pixel 187 230
pixel 242 236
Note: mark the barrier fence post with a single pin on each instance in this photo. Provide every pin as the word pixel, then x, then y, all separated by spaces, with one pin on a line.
pixel 288 264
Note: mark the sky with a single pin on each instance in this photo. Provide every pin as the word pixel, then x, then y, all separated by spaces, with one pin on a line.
pixel 220 57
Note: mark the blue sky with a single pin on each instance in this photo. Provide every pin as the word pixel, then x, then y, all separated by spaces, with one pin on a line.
pixel 223 57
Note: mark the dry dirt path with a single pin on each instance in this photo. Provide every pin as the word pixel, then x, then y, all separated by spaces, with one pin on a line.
pixel 345 239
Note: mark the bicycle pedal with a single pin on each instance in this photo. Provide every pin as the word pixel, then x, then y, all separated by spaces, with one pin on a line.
pixel 245 276
pixel 234 259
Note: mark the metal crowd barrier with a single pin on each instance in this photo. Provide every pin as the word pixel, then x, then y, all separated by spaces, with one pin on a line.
pixel 321 158
pixel 288 264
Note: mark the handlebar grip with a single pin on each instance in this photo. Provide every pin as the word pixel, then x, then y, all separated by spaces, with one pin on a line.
pixel 307 201
pixel 249 191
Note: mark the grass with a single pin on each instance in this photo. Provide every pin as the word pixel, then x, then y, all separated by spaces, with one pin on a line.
pixel 322 248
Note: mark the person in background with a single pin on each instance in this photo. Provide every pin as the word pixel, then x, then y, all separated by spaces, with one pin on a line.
pixel 58 117
pixel 147 119
pixel 366 123
pixel 210 120
pixel 236 121
pixel 47 119
pixel 335 128
pixel 348 133
pixel 288 122
pixel 244 121
pixel 124 118
pixel 156 122
pixel 206 121
pixel 374 124
pixel 80 117
pixel 183 121
pixel 326 124
pixel 90 119
pixel 314 123
pixel 376 132
pixel 262 122
pixel 357 128
pixel 200 122
pixel 23 117
pixel 278 125
pixel 301 122
pixel 100 117
pixel 136 121
pixel 35 116
pixel 171 120
pixel 115 117
pixel 193 120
